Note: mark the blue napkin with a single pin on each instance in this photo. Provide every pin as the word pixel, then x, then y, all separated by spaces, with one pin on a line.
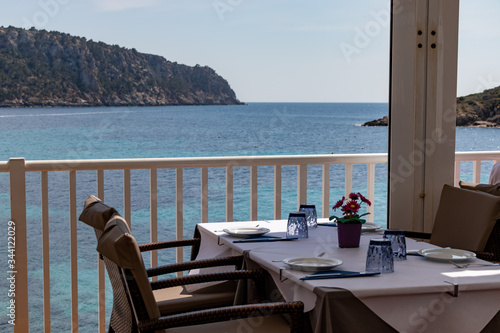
pixel 336 274
pixel 264 239
pixel 328 224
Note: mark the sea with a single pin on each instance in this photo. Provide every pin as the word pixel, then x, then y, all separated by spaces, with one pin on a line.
pixel 178 131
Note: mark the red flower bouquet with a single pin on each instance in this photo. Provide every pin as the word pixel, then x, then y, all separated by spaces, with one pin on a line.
pixel 350 208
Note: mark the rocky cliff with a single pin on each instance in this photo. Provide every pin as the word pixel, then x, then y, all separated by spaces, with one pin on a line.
pixel 475 110
pixel 41 68
pixel 481 110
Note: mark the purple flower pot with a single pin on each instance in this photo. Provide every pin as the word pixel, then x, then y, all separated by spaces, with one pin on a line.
pixel 349 234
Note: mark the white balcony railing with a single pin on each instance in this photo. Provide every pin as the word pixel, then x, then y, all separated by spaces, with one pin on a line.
pixel 19 171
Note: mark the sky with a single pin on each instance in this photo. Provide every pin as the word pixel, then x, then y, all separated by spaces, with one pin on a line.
pixel 270 50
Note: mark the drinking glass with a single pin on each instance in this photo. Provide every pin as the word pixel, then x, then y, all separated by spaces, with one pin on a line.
pixel 297 225
pixel 398 243
pixel 311 216
pixel 379 257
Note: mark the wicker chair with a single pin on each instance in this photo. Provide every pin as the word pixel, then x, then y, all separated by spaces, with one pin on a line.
pixel 120 247
pixel 169 300
pixel 468 220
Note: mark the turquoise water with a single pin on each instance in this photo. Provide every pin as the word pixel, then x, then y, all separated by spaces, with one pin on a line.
pixel 254 129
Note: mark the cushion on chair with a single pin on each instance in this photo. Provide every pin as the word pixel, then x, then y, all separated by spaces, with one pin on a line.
pixel 119 246
pixel 491 189
pixel 175 299
pixel 465 218
pixel 267 324
pixel 96 213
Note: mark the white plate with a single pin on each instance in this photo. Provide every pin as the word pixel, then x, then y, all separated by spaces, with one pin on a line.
pixel 313 264
pixel 246 232
pixel 370 226
pixel 447 254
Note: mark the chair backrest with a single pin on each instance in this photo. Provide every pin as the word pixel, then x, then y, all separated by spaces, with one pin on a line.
pixel 97 215
pixel 492 248
pixel 495 174
pixel 465 218
pixel 119 246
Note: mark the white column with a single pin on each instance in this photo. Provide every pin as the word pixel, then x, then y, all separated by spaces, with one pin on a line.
pixel 423 103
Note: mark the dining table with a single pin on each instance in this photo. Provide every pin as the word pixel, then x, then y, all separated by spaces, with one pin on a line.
pixel 423 294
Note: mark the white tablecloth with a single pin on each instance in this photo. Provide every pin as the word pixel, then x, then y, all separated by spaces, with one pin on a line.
pixel 412 299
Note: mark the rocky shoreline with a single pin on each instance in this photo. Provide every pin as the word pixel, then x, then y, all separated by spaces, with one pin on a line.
pixel 385 122
pixel 475 110
pixel 378 122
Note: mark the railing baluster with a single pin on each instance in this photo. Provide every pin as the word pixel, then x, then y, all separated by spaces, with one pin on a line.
pixel 18 216
pixel 179 216
pixel 101 279
pixel 370 189
pixel 126 197
pixel 253 193
pixel 325 202
pixel 153 188
pixel 204 194
pixel 74 252
pixel 229 193
pixel 476 171
pixel 457 172
pixel 301 184
pixel 348 178
pixel 277 192
pixel 45 250
pixel 100 184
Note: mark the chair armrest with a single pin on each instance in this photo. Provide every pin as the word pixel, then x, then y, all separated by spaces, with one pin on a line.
pixel 294 309
pixel 184 266
pixel 169 244
pixel 254 274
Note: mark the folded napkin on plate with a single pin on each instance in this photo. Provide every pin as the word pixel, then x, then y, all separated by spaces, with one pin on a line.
pixel 264 239
pixel 337 274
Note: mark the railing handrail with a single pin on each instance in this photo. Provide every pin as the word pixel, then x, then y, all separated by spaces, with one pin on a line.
pixel 222 161
pixel 461 156
pixel 196 162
